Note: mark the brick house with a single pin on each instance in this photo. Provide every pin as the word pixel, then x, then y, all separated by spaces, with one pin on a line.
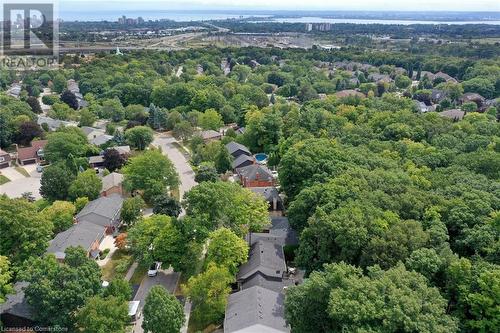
pixel 4 159
pixel 256 175
pixel 33 154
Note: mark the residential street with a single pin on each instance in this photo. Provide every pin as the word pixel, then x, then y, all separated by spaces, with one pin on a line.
pixel 165 278
pixel 186 174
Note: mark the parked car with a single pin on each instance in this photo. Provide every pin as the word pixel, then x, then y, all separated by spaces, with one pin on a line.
pixel 153 270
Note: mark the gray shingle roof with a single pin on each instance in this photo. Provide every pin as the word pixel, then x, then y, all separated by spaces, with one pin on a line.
pixel 232 147
pixel 101 139
pixel 280 233
pixel 82 234
pixel 111 180
pixel 101 211
pixel 16 303
pixel 240 160
pixel 265 257
pixel 454 114
pixel 255 172
pixel 253 309
pixel 268 193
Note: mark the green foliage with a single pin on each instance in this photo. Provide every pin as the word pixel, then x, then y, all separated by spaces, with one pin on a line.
pixel 151 172
pixel 210 120
pixel 23 232
pixel 103 315
pixel 56 290
pixel 65 144
pixel 165 204
pixel 341 297
pixel 87 184
pixel 162 312
pixel 139 137
pixel 60 213
pixel 226 249
pixel 5 278
pixel 220 204
pixel 132 210
pixel 208 292
pixel 206 172
pixel 120 289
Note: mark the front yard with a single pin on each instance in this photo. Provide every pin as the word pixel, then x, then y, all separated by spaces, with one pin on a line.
pixel 118 266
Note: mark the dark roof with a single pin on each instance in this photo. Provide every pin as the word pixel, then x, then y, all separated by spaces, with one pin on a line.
pixel 280 233
pixel 265 257
pixel 232 147
pixel 101 211
pixel 438 95
pixel 255 172
pixel 31 152
pixel 260 280
pixel 240 160
pixel 16 303
pixel 82 234
pixel 255 307
pixel 268 193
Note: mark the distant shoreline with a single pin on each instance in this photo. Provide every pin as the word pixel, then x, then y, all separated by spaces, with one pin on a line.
pixel 286 16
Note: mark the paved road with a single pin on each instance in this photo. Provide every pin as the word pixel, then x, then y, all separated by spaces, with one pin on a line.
pixel 168 279
pixel 186 174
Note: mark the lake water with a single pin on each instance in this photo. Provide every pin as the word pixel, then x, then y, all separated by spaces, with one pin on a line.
pixel 365 21
pixel 71 14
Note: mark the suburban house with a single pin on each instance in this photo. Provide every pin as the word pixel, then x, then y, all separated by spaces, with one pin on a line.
pixel 4 159
pixel 271 195
pixel 104 211
pixel 72 86
pixel 112 184
pixel 33 154
pixel 454 114
pixel 87 235
pixel 210 135
pixel 279 232
pixel 96 161
pixel 96 136
pixel 95 220
pixel 256 175
pixel 258 305
pixel 236 149
pixel 14 90
pixel 255 309
pixel 54 124
pixel 122 150
pixel 348 93
pixel 242 161
pixel 16 312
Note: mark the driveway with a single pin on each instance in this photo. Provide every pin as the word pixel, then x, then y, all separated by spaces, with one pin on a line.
pixel 168 279
pixel 15 188
pixel 12 173
pixel 186 174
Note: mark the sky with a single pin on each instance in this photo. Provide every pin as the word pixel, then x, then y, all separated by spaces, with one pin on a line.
pixel 379 5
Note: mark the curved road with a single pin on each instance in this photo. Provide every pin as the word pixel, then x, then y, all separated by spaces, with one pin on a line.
pixel 168 278
pixel 167 144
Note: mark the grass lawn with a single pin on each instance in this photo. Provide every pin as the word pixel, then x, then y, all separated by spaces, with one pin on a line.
pixel 4 179
pixel 22 171
pixel 138 275
pixel 118 265
pixel 175 193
